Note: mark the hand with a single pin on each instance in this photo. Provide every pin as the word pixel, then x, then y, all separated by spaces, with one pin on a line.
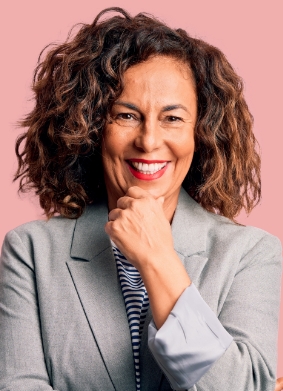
pixel 139 228
pixel 279 384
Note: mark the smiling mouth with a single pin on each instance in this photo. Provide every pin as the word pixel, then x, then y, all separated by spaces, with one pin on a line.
pixel 147 168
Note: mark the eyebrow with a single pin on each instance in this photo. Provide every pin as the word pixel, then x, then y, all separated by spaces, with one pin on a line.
pixel 165 108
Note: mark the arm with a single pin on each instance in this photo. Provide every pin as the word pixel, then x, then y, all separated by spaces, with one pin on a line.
pixel 249 314
pixel 190 341
pixel 22 363
pixel 249 362
pixel 139 220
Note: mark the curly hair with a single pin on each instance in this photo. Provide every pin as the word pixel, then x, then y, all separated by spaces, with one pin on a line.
pixel 75 86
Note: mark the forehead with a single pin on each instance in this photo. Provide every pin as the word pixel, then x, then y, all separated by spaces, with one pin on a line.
pixel 159 79
pixel 160 66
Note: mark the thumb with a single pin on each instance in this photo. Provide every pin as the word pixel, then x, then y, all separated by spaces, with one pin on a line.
pixel 160 200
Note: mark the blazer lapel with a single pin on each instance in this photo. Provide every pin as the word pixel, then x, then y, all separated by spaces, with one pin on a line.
pixel 94 273
pixel 93 270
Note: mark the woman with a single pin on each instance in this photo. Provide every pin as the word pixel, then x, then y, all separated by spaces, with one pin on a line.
pixel 140 148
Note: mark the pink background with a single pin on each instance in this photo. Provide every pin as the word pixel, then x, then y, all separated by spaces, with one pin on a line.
pixel 248 32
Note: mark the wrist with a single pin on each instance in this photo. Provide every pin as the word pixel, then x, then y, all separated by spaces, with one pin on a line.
pixel 165 281
pixel 153 262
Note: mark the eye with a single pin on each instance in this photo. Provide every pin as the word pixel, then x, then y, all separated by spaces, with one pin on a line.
pixel 173 118
pixel 126 119
pixel 126 116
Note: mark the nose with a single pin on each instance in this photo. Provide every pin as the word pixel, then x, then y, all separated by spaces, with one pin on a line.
pixel 149 137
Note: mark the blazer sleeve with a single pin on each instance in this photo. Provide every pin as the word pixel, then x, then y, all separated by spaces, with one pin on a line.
pixel 237 351
pixel 22 364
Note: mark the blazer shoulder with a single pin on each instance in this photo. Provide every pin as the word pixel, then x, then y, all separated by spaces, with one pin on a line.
pixel 41 233
pixel 37 228
pixel 250 237
pixel 56 234
pixel 197 230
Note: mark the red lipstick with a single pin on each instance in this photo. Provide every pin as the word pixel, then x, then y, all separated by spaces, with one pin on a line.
pixel 147 177
pixel 147 161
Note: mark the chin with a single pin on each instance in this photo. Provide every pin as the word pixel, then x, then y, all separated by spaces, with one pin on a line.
pixel 156 192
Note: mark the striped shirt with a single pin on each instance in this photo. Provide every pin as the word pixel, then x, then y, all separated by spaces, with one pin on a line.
pixel 136 303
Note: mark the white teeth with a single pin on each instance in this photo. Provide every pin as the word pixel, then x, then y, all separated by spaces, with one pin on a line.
pixel 148 169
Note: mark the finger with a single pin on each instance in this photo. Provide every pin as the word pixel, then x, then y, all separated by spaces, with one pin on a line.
pixel 124 202
pixel 279 384
pixel 161 200
pixel 107 228
pixel 110 229
pixel 114 214
pixel 113 229
pixel 137 192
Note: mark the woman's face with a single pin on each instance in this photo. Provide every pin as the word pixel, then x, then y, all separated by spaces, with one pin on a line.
pixel 150 140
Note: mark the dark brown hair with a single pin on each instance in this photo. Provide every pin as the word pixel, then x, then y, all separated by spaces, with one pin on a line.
pixel 75 86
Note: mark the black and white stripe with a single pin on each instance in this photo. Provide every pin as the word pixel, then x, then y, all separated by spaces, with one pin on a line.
pixel 136 302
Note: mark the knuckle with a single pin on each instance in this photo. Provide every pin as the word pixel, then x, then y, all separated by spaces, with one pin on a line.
pixel 107 228
pixel 135 205
pixel 120 202
pixel 115 229
pixel 114 226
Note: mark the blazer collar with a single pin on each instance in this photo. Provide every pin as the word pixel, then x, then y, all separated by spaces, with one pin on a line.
pixel 89 238
pixel 98 287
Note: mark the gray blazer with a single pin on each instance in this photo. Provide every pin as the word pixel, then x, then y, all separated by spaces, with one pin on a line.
pixel 63 322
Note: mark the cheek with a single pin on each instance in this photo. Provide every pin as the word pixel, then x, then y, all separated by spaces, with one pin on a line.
pixel 115 143
pixel 184 147
pixel 110 145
